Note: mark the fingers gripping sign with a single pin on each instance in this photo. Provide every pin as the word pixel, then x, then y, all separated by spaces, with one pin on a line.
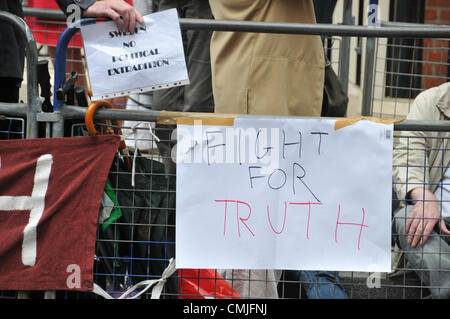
pixel 123 14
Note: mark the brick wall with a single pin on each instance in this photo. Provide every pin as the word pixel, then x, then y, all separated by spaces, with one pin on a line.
pixel 436 52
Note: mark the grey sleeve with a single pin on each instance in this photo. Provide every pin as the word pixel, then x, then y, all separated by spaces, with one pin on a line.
pixel 83 4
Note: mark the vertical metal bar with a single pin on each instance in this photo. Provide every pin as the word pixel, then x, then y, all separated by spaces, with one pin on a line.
pixel 23 295
pixel 367 91
pixel 344 51
pixel 58 126
pixel 50 294
pixel 369 65
pixel 33 100
pixel 60 76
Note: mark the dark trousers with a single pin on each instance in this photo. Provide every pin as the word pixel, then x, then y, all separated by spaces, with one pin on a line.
pixel 197 96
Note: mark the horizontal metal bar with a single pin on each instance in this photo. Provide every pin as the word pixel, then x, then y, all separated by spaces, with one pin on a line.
pixel 13 109
pixel 410 25
pixel 289 28
pixel 76 112
pixel 44 13
pixel 71 112
pixel 316 29
pixel 49 117
pixel 426 126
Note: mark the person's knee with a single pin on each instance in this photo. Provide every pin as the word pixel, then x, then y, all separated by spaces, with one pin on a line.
pixel 399 220
pixel 399 225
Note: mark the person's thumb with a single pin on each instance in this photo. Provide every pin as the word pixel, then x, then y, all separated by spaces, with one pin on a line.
pixel 444 227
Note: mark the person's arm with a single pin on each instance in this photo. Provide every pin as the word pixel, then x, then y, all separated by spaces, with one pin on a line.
pixel 409 169
pixel 123 14
pixel 424 216
pixel 82 4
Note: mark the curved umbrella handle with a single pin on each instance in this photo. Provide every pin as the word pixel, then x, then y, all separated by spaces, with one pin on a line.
pixel 89 121
pixel 89 116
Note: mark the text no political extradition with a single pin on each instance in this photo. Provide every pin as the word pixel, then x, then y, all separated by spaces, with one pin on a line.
pixel 142 54
pixel 138 66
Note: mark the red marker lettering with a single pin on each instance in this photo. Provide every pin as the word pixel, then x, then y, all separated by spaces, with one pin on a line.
pixel 351 224
pixel 243 220
pixel 284 220
pixel 309 214
pixel 226 201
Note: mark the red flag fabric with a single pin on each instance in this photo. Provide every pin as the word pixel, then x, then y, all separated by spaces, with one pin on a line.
pixel 50 194
pixel 204 283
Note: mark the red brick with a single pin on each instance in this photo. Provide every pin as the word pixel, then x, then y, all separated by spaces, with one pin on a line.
pixel 437 44
pixel 440 69
pixel 427 43
pixel 443 44
pixel 435 56
pixel 437 3
pixel 427 69
pixel 432 82
pixel 431 15
pixel 444 15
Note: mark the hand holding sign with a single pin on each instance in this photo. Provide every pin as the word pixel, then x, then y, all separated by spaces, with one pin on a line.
pixel 116 9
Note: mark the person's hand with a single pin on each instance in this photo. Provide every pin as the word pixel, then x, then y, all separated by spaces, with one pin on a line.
pixel 424 216
pixel 124 15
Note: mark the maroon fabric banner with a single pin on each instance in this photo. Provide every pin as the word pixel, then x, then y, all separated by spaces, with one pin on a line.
pixel 50 195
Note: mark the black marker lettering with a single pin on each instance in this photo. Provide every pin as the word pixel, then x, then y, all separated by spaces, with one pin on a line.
pixel 284 179
pixel 299 143
pixel 320 139
pixel 257 147
pixel 253 177
pixel 300 178
pixel 208 146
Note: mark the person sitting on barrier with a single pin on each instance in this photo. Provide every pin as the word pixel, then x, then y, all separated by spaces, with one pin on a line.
pixel 123 14
pixel 421 178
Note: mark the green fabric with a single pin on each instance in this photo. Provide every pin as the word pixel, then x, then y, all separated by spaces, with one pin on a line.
pixel 115 212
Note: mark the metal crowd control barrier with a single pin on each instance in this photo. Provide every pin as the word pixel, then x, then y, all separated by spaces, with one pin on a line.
pixel 33 105
pixel 353 283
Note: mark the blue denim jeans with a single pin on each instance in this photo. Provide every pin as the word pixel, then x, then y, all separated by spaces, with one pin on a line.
pixel 321 285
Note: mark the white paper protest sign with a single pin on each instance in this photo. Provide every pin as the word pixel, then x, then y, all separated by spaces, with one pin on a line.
pixel 121 63
pixel 284 194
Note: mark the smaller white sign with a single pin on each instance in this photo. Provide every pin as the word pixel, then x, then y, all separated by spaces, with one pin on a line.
pixel 121 63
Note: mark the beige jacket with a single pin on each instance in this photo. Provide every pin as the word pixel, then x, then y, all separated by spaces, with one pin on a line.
pixel 409 171
pixel 274 74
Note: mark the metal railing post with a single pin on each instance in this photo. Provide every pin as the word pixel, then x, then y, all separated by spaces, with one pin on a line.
pixel 369 64
pixel 344 51
pixel 33 101
pixel 367 85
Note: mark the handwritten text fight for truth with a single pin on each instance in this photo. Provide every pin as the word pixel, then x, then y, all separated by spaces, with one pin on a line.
pixel 273 160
